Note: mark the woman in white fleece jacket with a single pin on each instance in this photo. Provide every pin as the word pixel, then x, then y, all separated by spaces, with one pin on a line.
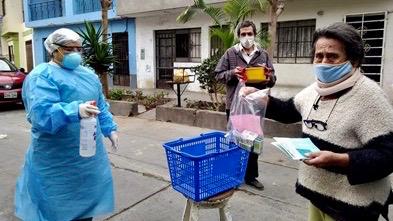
pixel 349 118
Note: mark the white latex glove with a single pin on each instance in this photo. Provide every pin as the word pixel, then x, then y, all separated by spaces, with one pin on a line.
pixel 114 138
pixel 87 110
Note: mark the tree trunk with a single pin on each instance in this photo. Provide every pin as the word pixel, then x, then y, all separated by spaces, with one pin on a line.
pixel 105 4
pixel 276 8
pixel 104 82
pixel 272 27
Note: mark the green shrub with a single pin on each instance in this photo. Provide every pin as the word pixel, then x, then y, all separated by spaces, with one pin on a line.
pixel 207 80
pixel 116 94
pixel 149 101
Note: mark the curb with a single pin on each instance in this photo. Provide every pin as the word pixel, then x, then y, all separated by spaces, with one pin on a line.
pixel 123 108
pixel 217 121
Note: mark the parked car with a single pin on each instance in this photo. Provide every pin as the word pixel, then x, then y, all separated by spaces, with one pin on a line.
pixel 11 81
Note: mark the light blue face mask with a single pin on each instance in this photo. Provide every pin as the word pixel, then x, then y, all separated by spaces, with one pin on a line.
pixel 72 60
pixel 328 73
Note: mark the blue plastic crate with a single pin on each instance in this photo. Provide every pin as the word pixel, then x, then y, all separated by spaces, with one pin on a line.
pixel 206 165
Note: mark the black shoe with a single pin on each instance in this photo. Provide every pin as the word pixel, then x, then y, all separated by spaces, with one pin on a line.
pixel 256 184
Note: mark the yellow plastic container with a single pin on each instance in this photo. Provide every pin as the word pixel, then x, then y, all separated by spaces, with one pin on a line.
pixel 255 74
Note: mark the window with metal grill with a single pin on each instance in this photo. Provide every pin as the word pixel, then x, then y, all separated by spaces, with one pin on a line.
pixel 188 45
pixel 293 41
pixel 371 26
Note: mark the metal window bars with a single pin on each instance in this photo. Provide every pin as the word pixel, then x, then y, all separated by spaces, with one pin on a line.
pixel 86 6
pixel 372 28
pixel 293 41
pixel 45 9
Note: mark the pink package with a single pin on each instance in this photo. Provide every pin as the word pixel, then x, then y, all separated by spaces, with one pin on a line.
pixel 247 122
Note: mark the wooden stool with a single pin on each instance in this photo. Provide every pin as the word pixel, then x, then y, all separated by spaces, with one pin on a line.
pixel 220 202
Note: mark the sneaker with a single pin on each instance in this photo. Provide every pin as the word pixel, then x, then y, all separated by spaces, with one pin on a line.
pixel 256 184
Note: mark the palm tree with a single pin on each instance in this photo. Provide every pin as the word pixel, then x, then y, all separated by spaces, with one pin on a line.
pixel 97 54
pixel 226 19
pixel 105 5
pixel 232 13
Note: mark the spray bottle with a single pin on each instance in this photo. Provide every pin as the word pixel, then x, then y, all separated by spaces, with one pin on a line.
pixel 87 145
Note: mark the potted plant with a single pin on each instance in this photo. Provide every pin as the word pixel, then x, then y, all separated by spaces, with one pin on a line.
pixel 97 54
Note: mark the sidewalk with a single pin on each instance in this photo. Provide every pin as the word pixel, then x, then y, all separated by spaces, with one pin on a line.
pixel 142 184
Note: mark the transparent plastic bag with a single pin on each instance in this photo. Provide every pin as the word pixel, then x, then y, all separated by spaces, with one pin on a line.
pixel 245 124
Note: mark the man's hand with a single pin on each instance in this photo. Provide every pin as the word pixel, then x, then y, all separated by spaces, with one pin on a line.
pixel 240 73
pixel 268 73
pixel 327 158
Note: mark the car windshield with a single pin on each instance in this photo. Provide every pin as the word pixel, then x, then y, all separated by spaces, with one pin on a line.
pixel 5 66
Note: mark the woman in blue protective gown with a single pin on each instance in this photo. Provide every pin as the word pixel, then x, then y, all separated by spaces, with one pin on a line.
pixel 56 183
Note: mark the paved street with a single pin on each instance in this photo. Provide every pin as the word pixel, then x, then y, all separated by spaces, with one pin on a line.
pixel 142 184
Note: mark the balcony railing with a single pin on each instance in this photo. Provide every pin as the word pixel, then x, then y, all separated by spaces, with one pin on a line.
pixel 86 6
pixel 45 9
pixel 130 7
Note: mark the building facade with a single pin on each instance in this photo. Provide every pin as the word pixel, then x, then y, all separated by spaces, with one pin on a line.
pixel 162 42
pixel 16 39
pixel 45 16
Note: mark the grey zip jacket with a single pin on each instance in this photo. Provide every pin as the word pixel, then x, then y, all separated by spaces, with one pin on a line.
pixel 225 70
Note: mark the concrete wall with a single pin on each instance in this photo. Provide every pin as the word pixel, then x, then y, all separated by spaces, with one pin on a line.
pixel 288 74
pixel 298 75
pixel 13 32
pixel 12 21
pixel 145 40
pixel 127 7
pixel 335 11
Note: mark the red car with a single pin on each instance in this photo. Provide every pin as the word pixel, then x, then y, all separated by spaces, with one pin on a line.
pixel 11 81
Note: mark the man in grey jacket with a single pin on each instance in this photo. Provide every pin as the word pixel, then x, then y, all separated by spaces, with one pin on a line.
pixel 230 69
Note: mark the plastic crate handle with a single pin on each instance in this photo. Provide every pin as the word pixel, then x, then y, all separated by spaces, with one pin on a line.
pixel 199 157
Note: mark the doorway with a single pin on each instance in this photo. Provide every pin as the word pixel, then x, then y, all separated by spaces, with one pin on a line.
pixel 165 56
pixel 29 55
pixel 180 45
pixel 121 74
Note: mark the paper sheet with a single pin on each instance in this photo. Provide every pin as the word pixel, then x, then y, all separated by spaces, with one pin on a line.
pixel 295 148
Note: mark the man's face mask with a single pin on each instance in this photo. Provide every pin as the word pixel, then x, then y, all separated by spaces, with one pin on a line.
pixel 247 41
pixel 328 73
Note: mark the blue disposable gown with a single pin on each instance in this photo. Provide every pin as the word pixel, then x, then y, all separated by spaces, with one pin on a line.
pixel 56 183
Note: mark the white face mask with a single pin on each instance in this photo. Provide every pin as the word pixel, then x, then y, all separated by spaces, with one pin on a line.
pixel 247 41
